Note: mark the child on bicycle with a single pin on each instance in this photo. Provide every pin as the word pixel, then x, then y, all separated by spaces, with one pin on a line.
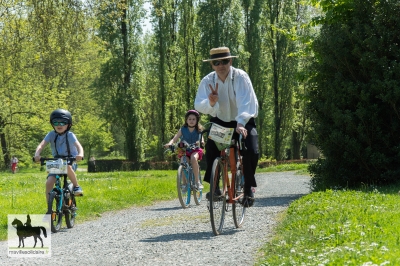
pixel 63 143
pixel 190 133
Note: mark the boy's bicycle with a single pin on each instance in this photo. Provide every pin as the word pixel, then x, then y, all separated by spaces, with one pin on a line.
pixel 185 180
pixel 227 185
pixel 61 199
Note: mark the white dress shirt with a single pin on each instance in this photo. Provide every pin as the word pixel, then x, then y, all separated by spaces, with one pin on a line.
pixel 237 100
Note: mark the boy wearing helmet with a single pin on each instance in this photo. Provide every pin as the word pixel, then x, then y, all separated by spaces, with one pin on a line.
pixel 190 133
pixel 63 143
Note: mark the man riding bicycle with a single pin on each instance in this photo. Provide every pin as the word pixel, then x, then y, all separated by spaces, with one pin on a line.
pixel 228 96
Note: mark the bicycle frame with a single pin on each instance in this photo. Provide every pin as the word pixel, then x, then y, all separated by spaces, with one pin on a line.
pixel 232 194
pixel 186 182
pixel 233 155
pixel 61 200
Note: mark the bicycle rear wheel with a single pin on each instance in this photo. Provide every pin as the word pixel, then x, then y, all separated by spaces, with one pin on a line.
pixel 182 187
pixel 217 201
pixel 238 210
pixel 70 212
pixel 54 208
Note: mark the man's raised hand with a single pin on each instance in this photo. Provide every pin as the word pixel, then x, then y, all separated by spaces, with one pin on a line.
pixel 213 96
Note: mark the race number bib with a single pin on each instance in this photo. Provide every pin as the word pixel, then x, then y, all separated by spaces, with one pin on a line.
pixel 58 166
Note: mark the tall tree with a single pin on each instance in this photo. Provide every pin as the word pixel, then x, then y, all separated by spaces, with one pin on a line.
pixel 220 24
pixel 256 63
pixel 280 19
pixel 119 85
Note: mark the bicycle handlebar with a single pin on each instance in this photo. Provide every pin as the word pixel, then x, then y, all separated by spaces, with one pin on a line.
pixel 242 145
pixel 70 159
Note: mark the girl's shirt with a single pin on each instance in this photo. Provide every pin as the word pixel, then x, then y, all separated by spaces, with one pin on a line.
pixel 60 146
pixel 189 137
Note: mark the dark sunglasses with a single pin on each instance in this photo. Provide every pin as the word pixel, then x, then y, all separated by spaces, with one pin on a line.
pixel 218 62
pixel 59 123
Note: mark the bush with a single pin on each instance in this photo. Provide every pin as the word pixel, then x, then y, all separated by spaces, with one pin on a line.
pixel 355 105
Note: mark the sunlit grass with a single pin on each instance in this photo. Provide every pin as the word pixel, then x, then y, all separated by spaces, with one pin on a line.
pixel 338 228
pixel 300 168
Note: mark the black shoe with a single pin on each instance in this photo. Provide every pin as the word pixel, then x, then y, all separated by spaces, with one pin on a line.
pixel 217 193
pixel 248 200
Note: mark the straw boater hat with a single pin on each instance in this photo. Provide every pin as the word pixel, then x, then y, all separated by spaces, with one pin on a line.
pixel 219 53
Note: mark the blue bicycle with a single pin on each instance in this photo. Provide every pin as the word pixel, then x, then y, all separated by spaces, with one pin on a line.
pixel 185 180
pixel 61 199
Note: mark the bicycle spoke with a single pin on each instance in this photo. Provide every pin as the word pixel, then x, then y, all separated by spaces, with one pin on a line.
pixel 54 209
pixel 238 210
pixel 217 201
pixel 182 187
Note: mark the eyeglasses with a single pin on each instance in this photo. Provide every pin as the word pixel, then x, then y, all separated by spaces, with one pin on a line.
pixel 59 123
pixel 218 62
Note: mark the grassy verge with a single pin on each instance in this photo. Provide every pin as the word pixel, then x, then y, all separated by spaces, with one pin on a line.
pixel 338 228
pixel 24 193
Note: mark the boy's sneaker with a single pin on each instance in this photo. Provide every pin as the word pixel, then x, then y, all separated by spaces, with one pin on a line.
pixel 199 186
pixel 183 188
pixel 78 191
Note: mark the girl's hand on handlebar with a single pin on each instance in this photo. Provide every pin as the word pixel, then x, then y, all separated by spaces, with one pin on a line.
pixel 78 158
pixel 167 145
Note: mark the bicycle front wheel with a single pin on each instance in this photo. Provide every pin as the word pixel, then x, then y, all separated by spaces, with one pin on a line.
pixel 182 187
pixel 217 201
pixel 238 210
pixel 54 208
pixel 70 212
pixel 197 193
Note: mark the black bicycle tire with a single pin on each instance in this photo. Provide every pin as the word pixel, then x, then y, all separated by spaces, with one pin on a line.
pixel 54 211
pixel 217 203
pixel 238 210
pixel 70 213
pixel 197 194
pixel 183 196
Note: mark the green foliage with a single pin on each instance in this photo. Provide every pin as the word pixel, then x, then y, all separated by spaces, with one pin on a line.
pixel 354 106
pixel 25 193
pixel 338 228
pixel 119 83
pixel 93 134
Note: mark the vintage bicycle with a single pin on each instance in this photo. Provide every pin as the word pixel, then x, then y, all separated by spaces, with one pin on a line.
pixel 185 180
pixel 227 179
pixel 61 199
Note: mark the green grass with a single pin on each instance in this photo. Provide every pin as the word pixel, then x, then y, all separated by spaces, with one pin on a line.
pixel 338 228
pixel 300 168
pixel 24 193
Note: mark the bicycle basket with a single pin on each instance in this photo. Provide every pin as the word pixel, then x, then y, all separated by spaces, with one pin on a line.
pixel 58 166
pixel 222 136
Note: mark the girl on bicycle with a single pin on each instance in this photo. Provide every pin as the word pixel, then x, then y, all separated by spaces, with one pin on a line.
pixel 190 133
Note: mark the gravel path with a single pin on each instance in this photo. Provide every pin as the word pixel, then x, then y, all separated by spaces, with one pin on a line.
pixel 166 234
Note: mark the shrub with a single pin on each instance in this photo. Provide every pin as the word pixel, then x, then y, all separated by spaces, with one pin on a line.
pixel 355 105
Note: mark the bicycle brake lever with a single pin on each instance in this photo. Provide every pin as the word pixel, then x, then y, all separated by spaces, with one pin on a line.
pixel 242 145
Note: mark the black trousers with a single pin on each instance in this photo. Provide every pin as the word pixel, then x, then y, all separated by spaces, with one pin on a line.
pixel 250 157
